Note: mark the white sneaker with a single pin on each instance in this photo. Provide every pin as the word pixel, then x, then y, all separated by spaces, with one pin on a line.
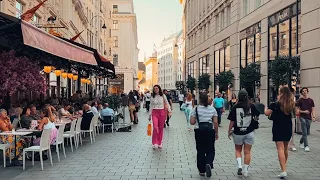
pixel 293 149
pixel 154 146
pixel 282 175
pixel 245 173
pixel 307 149
pixel 302 146
pixel 160 146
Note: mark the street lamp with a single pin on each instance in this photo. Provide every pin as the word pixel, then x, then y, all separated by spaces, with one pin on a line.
pixel 103 26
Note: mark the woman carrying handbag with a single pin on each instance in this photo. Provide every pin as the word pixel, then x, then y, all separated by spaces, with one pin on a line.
pixel 159 105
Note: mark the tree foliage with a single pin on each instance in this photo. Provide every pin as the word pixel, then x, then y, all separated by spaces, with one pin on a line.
pixel 204 81
pixel 282 68
pixel 250 75
pixel 180 85
pixel 114 101
pixel 191 83
pixel 224 80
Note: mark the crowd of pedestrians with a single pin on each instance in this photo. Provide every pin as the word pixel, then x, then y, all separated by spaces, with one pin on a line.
pixel 206 115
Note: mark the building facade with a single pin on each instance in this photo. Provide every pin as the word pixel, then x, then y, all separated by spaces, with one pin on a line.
pixel 124 41
pixel 228 34
pixel 151 65
pixel 168 61
pixel 71 18
pixel 181 59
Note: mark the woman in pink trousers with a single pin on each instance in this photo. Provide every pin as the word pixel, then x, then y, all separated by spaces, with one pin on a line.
pixel 159 105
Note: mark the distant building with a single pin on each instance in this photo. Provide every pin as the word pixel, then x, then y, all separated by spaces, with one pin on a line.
pixel 151 65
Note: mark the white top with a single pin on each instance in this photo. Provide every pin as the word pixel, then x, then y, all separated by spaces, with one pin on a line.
pixel 50 125
pixel 205 114
pixel 148 97
pixel 94 110
pixel 189 104
pixel 181 97
pixel 158 101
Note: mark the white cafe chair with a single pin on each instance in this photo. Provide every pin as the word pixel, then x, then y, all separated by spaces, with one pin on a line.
pixel 71 134
pixel 95 120
pixel 60 141
pixel 78 132
pixel 44 146
pixel 5 148
pixel 90 131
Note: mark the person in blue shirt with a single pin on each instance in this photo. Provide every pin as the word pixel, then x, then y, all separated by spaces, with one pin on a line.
pixel 106 111
pixel 219 105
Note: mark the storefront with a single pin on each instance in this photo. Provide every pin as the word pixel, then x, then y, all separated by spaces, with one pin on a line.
pixel 204 65
pixel 116 86
pixel 191 69
pixel 284 39
pixel 221 58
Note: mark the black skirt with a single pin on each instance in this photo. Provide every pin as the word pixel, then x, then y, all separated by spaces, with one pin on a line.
pixel 282 131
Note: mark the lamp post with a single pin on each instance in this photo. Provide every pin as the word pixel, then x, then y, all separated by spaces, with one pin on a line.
pixel 103 26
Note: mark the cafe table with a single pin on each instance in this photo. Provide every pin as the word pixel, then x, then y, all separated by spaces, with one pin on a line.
pixel 15 161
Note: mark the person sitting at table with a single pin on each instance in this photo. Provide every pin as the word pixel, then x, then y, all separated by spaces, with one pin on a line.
pixel 26 118
pixel 46 122
pixel 94 108
pixel 64 111
pixel 34 113
pixel 5 125
pixel 86 117
pixel 106 111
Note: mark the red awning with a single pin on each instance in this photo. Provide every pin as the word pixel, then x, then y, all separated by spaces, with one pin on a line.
pixel 36 38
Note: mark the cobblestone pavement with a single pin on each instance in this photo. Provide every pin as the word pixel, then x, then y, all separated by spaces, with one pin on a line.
pixel 128 155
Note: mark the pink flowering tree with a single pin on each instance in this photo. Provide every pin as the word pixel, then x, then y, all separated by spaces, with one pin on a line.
pixel 20 74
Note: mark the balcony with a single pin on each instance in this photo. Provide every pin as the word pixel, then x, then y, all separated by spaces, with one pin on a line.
pixel 80 10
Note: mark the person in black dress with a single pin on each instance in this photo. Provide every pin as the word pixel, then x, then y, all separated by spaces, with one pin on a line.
pixel 280 113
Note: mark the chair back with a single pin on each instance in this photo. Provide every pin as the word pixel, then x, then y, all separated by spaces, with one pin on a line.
pixel 60 134
pixel 78 126
pixel 45 139
pixel 73 127
pixel 95 120
pixel 107 120
pixel 92 123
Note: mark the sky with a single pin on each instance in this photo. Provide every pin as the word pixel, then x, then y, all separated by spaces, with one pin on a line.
pixel 156 19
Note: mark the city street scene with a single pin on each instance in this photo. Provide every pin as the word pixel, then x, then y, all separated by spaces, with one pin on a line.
pixel 161 89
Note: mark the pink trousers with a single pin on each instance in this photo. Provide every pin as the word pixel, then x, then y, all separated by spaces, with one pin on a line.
pixel 158 120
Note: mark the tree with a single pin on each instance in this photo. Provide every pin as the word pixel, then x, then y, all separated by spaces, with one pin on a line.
pixel 250 77
pixel 181 86
pixel 282 68
pixel 224 80
pixel 114 101
pixel 20 74
pixel 191 83
pixel 204 81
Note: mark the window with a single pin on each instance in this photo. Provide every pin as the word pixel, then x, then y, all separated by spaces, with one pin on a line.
pixel 217 23
pixel 116 41
pixel 115 25
pixel 204 65
pixel 115 8
pixel 19 9
pixel 258 3
pixel 228 20
pixel 245 7
pixel 35 19
pixel 221 58
pixel 222 20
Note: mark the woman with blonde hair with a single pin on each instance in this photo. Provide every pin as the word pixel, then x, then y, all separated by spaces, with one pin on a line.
pixel 280 113
pixel 189 105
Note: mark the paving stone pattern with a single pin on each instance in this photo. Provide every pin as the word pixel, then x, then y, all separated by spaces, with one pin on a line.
pixel 128 155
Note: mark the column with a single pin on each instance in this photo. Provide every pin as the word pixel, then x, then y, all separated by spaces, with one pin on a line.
pixel 310 50
pixel 264 62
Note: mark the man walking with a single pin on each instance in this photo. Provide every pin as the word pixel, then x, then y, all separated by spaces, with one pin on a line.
pixel 147 99
pixel 181 99
pixel 219 105
pixel 306 109
pixel 170 102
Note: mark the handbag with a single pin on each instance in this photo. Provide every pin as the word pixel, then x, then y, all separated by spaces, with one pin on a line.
pixel 255 123
pixel 149 129
pixel 203 125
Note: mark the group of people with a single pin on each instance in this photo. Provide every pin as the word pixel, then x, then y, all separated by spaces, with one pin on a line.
pixel 243 116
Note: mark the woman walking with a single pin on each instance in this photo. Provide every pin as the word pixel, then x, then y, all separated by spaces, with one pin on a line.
pixel 232 101
pixel 159 105
pixel 242 119
pixel 132 106
pixel 280 113
pixel 189 105
pixel 204 117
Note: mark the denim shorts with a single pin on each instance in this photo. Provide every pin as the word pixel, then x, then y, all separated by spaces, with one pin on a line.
pixel 244 139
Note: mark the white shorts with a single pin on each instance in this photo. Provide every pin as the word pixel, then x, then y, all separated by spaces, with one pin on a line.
pixel 244 139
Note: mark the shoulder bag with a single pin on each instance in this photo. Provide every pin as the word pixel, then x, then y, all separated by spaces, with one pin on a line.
pixel 203 125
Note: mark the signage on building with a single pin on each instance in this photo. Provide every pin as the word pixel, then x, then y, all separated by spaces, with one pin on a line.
pixel 284 14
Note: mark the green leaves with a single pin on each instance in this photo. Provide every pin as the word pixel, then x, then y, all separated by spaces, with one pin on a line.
pixel 282 68
pixel 180 85
pixel 191 83
pixel 224 80
pixel 204 81
pixel 114 101
pixel 250 75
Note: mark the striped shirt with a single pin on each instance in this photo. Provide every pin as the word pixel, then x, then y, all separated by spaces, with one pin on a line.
pixel 205 114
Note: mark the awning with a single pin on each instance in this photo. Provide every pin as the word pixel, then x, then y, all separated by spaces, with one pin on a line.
pixel 42 47
pixel 35 37
pixel 102 61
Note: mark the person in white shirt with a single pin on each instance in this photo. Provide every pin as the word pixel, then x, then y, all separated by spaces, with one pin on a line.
pixel 147 99
pixel 181 100
pixel 64 111
pixel 94 108
pixel 159 106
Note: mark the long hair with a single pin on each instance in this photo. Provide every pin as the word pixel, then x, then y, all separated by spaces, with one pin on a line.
pixel 204 100
pixel 243 99
pixel 234 96
pixel 154 93
pixel 286 100
pixel 189 97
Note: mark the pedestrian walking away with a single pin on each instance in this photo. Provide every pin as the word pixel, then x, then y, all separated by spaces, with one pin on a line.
pixel 147 100
pixel 306 110
pixel 280 113
pixel 188 107
pixel 170 103
pixel 159 104
pixel 242 120
pixel 181 100
pixel 204 117
pixel 219 105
